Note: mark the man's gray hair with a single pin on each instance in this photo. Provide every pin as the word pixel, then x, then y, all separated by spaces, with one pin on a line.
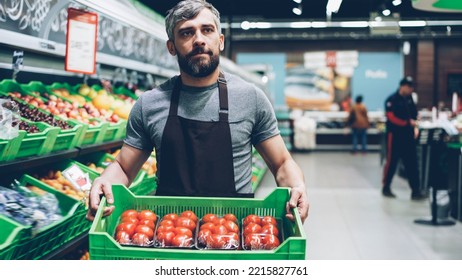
pixel 186 10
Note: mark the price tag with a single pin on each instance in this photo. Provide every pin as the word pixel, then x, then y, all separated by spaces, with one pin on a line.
pixel 81 41
pixel 18 59
pixel 79 179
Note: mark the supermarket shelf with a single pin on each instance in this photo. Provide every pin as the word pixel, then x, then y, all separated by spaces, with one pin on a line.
pixel 36 161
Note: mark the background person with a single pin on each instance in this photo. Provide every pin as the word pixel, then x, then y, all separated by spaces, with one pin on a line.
pixel 359 125
pixel 202 124
pixel 402 132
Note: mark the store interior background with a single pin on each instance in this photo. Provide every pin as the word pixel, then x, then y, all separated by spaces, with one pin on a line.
pixel 349 219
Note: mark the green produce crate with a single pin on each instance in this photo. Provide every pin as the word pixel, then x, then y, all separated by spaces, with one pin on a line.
pixel 8 86
pixel 37 144
pixel 53 236
pixel 72 90
pixel 9 148
pixel 103 245
pixel 115 131
pixel 69 138
pixel 11 235
pixel 142 184
pixel 125 91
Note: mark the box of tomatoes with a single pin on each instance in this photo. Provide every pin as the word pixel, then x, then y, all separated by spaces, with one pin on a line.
pixel 162 227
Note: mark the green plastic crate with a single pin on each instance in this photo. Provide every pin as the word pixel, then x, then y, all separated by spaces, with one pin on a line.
pixel 8 85
pixel 53 236
pixel 125 91
pixel 12 234
pixel 37 144
pixel 115 131
pixel 103 245
pixel 69 138
pixel 9 148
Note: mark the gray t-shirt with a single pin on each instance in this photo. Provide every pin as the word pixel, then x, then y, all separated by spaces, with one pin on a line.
pixel 251 119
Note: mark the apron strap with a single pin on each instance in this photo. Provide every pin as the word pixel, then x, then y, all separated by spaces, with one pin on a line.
pixel 175 97
pixel 223 91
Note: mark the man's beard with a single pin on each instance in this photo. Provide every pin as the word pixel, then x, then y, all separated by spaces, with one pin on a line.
pixel 198 67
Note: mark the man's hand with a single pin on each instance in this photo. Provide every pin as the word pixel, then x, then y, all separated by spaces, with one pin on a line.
pixel 100 187
pixel 299 200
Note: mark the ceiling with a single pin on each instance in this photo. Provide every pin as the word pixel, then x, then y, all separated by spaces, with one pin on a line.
pixel 279 13
pixel 281 10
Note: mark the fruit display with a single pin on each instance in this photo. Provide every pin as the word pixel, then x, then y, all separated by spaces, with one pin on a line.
pixel 56 180
pixel 136 228
pixel 217 232
pixel 59 107
pixel 176 231
pixel 35 115
pixel 104 100
pixel 260 233
pixel 28 127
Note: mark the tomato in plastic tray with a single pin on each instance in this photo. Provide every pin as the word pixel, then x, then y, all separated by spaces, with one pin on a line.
pixel 218 232
pixel 136 228
pixel 261 232
pixel 176 231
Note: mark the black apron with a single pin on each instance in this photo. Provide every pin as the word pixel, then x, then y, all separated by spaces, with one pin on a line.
pixel 197 156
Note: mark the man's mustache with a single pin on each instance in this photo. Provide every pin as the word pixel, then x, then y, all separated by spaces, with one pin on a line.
pixel 199 50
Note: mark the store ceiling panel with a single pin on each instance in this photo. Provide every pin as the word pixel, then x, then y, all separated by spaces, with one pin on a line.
pixel 277 10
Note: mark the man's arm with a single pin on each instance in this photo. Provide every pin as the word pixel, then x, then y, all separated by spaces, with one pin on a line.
pixel 286 172
pixel 122 171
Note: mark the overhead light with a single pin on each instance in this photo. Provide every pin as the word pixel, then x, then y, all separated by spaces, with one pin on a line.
pixel 245 25
pixel 412 23
pixel 297 10
pixel 319 24
pixel 354 24
pixel 300 24
pixel 396 2
pixel 333 6
pixel 298 1
pixel 386 12
pixel 406 48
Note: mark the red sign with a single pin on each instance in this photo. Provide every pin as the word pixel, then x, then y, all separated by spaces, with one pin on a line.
pixel 81 42
pixel 331 59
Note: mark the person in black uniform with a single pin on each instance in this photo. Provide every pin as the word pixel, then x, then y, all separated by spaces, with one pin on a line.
pixel 401 113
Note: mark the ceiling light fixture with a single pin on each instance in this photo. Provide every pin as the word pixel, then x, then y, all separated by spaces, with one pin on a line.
pixel 386 12
pixel 298 1
pixel 396 2
pixel 332 7
pixel 297 10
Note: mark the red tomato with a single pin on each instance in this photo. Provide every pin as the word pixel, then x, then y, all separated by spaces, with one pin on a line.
pixel 216 241
pixel 167 223
pixel 149 223
pixel 183 230
pixel 181 240
pixel 270 241
pixel 165 228
pixel 146 230
pixel 147 215
pixel 270 229
pixel 231 226
pixel 230 217
pixel 130 220
pixel 268 220
pixel 130 213
pixel 123 237
pixel 141 239
pixel 209 218
pixel 219 221
pixel 252 219
pixel 204 235
pixel 127 227
pixel 253 242
pixel 252 228
pixel 232 240
pixel 220 229
pixel 170 216
pixel 208 226
pixel 189 214
pixel 185 222
pixel 165 238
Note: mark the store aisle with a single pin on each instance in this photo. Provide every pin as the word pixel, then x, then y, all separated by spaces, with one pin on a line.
pixel 349 219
